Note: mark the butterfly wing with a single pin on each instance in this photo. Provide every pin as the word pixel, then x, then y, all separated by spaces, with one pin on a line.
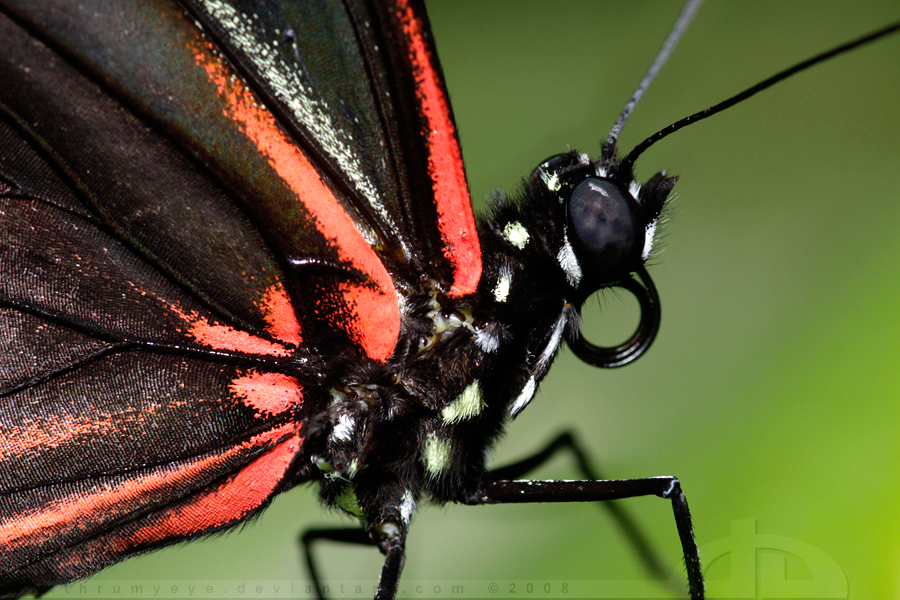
pixel 188 239
pixel 374 111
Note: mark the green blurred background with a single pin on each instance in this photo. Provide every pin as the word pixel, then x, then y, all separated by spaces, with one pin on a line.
pixel 773 388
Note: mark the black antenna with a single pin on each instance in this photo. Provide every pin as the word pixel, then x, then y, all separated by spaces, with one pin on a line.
pixel 628 162
pixel 678 29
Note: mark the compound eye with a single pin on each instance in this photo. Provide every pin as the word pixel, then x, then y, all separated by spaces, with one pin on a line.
pixel 607 231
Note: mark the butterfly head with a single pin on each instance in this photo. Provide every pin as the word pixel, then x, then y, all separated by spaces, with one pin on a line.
pixel 609 222
pixel 577 227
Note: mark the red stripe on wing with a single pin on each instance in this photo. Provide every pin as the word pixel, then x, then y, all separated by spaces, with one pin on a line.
pixel 375 302
pixel 232 501
pixel 456 221
pixel 242 492
pixel 279 315
pixel 222 337
pixel 268 394
pixel 19 442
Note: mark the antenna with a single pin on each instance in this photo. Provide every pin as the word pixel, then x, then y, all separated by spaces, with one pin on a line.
pixel 628 162
pixel 675 34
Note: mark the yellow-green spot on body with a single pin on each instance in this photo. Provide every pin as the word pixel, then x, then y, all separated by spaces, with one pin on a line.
pixel 436 454
pixel 348 502
pixel 468 404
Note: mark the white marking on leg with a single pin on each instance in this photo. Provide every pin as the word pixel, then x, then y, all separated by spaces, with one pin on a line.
pixel 407 507
pixel 550 350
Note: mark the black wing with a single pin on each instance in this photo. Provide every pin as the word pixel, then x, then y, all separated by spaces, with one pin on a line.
pixel 185 241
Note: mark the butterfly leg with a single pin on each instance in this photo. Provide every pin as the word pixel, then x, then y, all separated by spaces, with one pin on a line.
pixel 347 536
pixel 391 546
pixel 494 491
pixel 567 442
pixel 394 559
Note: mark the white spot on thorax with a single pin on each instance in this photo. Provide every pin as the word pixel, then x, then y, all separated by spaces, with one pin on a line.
pixel 343 431
pixel 488 341
pixel 504 282
pixel 468 404
pixel 516 234
pixel 436 454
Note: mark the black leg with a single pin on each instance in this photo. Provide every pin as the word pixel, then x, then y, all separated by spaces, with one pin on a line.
pixel 497 490
pixel 392 545
pixel 567 442
pixel 348 536
pixel 514 492
pixel 394 559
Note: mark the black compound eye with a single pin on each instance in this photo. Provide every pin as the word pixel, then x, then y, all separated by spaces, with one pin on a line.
pixel 607 231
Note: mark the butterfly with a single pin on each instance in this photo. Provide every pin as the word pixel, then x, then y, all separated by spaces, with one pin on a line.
pixel 758 329
pixel 328 268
